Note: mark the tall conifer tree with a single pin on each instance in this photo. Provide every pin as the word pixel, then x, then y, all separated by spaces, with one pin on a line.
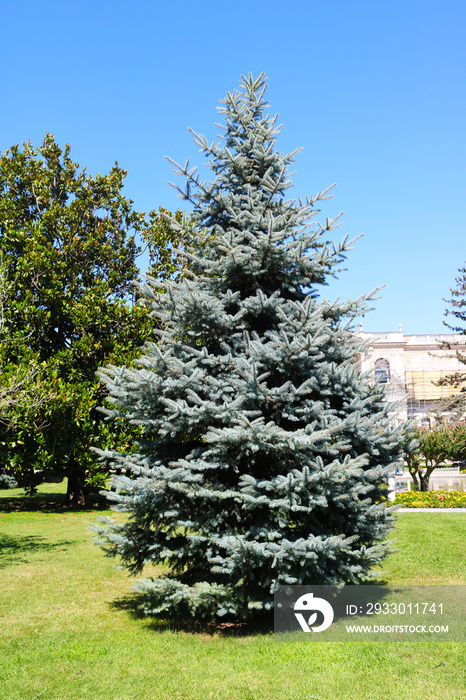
pixel 267 450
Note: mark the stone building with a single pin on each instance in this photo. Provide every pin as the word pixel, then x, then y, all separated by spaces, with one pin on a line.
pixel 412 365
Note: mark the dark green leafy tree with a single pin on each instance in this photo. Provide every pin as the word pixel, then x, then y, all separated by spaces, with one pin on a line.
pixel 68 259
pixel 16 381
pixel 266 450
pixel 165 244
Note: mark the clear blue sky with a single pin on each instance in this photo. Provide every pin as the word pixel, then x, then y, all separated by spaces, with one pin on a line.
pixel 374 92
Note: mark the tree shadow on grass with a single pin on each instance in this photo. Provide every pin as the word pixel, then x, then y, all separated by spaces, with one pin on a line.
pixel 48 503
pixel 17 550
pixel 261 624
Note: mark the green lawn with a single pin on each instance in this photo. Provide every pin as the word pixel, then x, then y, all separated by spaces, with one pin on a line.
pixel 68 630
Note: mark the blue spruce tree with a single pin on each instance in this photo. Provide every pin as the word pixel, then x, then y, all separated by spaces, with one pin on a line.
pixel 266 450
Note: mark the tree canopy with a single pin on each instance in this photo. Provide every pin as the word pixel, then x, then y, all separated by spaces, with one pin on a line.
pixel 432 447
pixel 69 262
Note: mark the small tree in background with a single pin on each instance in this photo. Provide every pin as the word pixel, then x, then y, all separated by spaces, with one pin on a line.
pixel 266 451
pixel 431 447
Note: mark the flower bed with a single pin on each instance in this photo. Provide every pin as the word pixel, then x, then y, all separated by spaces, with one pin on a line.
pixel 432 499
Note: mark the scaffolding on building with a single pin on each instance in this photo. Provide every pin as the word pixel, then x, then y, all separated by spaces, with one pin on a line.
pixel 425 393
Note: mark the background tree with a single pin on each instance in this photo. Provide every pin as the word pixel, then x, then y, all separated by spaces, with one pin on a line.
pixel 164 244
pixel 456 404
pixel 266 451
pixel 16 381
pixel 68 248
pixel 458 442
pixel 431 447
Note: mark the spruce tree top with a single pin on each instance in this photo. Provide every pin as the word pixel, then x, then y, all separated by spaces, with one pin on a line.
pixel 266 451
pixel 245 206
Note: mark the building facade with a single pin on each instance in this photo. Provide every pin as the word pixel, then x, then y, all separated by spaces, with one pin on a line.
pixel 412 366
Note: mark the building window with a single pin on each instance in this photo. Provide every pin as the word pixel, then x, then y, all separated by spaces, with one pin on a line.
pixel 382 370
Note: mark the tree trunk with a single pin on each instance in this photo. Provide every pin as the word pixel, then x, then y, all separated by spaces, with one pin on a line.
pixel 415 474
pixel 421 478
pixel 75 494
pixel 425 477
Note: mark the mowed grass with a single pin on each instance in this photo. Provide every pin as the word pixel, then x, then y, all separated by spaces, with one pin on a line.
pixel 68 629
